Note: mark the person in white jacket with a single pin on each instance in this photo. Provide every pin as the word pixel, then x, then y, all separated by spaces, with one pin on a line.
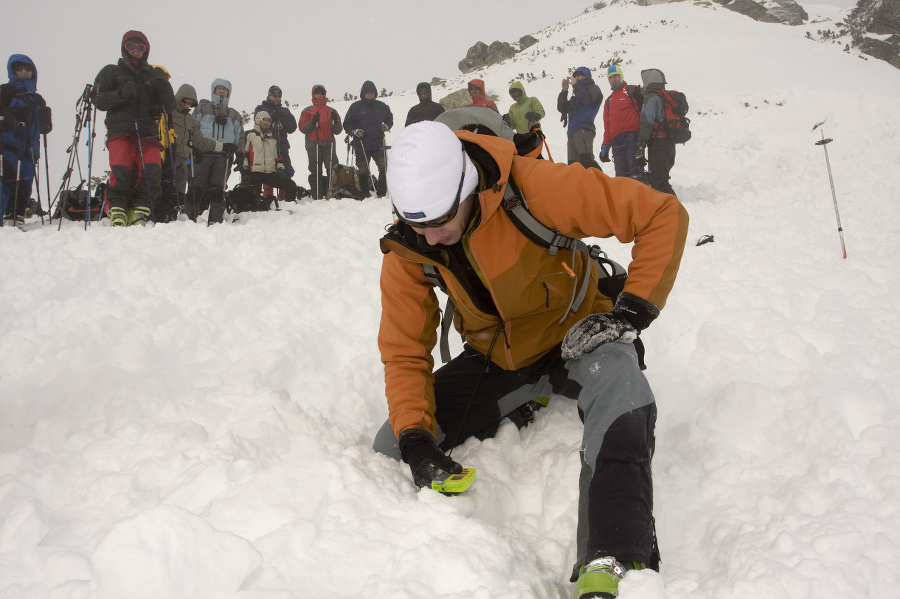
pixel 262 162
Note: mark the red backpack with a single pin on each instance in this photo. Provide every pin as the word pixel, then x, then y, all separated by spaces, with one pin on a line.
pixel 676 125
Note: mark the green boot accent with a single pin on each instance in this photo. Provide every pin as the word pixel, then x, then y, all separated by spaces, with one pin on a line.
pixel 139 216
pixel 544 400
pixel 117 217
pixel 599 579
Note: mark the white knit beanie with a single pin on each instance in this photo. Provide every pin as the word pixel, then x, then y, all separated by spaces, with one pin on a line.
pixel 426 164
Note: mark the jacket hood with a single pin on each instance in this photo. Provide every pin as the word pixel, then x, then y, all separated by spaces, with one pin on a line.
pixel 216 100
pixel 26 84
pixel 134 33
pixel 518 85
pixel 321 101
pixel 367 87
pixel 479 83
pixel 653 79
pixel 424 86
pixel 586 72
pixel 185 91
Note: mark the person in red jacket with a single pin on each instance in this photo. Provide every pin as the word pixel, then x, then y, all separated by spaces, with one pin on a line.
pixel 476 91
pixel 320 123
pixel 621 125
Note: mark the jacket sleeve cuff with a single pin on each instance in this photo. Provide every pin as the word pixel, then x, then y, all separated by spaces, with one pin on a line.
pixel 636 310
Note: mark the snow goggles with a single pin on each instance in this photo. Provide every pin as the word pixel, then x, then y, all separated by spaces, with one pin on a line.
pixel 449 215
pixel 135 47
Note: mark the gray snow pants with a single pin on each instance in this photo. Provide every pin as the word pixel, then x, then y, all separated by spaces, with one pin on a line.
pixel 617 407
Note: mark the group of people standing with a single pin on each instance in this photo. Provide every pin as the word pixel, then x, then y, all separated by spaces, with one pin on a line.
pixel 158 139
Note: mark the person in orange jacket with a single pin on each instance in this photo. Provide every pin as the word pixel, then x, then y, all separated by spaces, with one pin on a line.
pixel 525 335
pixel 476 91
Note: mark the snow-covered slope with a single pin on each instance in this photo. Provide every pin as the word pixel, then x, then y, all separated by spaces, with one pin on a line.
pixel 188 411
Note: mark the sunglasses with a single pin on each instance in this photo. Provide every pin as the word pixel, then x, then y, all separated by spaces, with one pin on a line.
pixel 188 102
pixel 135 47
pixel 22 67
pixel 451 214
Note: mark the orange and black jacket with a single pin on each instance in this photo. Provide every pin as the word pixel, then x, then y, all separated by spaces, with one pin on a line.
pixel 511 296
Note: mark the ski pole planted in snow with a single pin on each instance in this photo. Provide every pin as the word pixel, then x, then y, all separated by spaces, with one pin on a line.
pixel 824 142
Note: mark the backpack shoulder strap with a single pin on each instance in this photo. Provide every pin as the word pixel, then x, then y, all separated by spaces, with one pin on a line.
pixel 539 233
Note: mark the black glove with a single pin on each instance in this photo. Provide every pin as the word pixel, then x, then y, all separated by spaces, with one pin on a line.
pixel 334 116
pixel 604 153
pixel 128 91
pixel 229 148
pixel 639 155
pixel 532 117
pixel 45 118
pixel 221 119
pixel 8 122
pixel 315 121
pixel 358 133
pixel 425 458
pixel 506 119
pixel 630 314
pixel 385 128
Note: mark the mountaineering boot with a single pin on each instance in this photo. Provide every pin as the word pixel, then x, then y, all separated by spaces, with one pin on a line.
pixel 600 578
pixel 117 217
pixel 139 216
pixel 14 221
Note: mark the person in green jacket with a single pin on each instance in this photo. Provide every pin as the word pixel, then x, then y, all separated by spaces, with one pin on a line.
pixel 526 110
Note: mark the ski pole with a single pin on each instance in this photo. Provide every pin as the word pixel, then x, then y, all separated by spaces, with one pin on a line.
pixel 2 175
pixel 165 114
pixel 824 143
pixel 47 179
pixel 366 159
pixel 140 144
pixel 318 171
pixel 18 176
pixel 90 145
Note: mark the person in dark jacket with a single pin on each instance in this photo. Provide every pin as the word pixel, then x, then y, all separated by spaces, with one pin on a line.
pixel 26 117
pixel 367 120
pixel 427 109
pixel 133 94
pixel 320 123
pixel 187 138
pixel 283 123
pixel 660 147
pixel 579 113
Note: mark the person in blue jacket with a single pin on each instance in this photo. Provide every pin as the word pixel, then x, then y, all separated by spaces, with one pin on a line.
pixel 367 121
pixel 26 117
pixel 579 113
pixel 220 123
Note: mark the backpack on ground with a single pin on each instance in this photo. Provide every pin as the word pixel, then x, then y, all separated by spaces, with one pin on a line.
pixel 345 183
pixel 676 125
pixel 73 203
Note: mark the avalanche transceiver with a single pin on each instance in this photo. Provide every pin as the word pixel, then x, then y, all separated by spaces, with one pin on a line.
pixel 451 484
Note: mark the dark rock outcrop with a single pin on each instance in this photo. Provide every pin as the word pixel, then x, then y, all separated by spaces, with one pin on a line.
pixel 879 18
pixel 769 11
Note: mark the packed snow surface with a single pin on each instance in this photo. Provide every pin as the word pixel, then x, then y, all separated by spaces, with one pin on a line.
pixel 188 411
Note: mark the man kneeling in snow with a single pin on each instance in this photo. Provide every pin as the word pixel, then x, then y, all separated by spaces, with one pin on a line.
pixel 526 336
